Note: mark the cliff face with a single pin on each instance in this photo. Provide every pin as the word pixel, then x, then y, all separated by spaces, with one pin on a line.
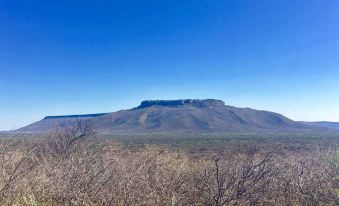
pixel 181 102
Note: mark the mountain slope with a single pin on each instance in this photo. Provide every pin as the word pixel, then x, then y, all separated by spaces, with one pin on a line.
pixel 180 116
pixel 329 125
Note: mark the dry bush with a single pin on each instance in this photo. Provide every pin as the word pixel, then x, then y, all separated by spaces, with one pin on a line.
pixel 234 179
pixel 71 168
pixel 16 163
pixel 304 179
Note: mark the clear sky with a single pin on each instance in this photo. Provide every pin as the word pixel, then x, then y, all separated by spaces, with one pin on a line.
pixel 73 57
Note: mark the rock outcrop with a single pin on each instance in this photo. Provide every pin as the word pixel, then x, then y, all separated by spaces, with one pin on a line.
pixel 181 102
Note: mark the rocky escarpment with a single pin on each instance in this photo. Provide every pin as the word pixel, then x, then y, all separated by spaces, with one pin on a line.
pixel 181 102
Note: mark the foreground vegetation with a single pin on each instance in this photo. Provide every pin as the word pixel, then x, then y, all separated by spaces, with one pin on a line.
pixel 70 167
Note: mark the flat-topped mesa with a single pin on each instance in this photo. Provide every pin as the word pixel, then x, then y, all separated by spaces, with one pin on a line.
pixel 182 102
pixel 75 116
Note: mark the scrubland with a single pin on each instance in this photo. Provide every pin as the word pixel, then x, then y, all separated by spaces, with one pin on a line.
pixel 72 167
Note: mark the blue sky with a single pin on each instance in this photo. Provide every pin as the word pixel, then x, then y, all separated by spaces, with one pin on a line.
pixel 73 57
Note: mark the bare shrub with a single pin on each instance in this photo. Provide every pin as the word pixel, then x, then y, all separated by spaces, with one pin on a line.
pixel 71 168
pixel 303 179
pixel 68 138
pixel 15 164
pixel 234 179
